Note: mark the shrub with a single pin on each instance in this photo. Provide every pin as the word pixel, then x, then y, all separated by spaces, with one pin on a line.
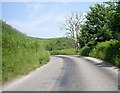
pixel 85 51
pixel 109 51
pixel 64 52
pixel 117 61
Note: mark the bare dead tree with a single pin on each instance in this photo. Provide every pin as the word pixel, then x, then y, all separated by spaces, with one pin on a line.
pixel 72 26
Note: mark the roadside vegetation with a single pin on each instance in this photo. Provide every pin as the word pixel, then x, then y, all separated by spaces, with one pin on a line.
pixel 64 52
pixel 60 46
pixel 99 34
pixel 109 51
pixel 20 53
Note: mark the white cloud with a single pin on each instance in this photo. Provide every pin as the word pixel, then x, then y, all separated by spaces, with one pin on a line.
pixel 47 22
pixel 54 0
pixel 33 8
pixel 25 26
pixel 60 18
pixel 39 26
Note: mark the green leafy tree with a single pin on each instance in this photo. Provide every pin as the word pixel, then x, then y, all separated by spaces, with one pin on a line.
pixel 114 23
pixel 96 28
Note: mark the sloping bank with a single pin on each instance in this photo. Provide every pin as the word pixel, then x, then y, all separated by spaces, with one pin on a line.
pixel 20 53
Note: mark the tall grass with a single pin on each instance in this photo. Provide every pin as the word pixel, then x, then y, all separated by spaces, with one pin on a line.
pixel 20 53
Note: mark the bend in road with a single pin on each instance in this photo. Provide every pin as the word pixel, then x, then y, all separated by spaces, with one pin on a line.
pixel 68 73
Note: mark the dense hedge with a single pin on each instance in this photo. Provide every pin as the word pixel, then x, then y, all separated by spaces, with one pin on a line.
pixel 108 51
pixel 64 52
pixel 85 51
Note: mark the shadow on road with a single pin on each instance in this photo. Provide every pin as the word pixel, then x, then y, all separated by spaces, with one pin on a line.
pixel 102 63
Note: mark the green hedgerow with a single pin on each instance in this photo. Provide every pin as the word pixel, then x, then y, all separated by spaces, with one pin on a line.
pixel 109 51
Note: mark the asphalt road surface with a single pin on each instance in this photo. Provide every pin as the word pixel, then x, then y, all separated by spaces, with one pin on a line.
pixel 68 73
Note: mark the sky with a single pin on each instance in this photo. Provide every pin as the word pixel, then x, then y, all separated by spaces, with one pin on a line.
pixel 41 19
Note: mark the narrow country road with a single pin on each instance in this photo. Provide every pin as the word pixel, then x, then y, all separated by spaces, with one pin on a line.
pixel 68 73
